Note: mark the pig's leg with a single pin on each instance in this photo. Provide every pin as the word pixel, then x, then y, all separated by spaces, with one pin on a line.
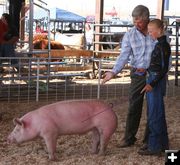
pixel 104 138
pixel 101 150
pixel 95 141
pixel 51 145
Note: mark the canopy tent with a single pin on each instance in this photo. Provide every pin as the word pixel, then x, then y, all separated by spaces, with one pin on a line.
pixel 60 20
pixel 66 16
pixel 59 15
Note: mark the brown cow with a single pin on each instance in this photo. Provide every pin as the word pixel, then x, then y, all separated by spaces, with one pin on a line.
pixel 40 41
pixel 43 44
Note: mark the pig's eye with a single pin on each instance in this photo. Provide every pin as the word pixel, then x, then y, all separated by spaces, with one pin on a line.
pixel 17 130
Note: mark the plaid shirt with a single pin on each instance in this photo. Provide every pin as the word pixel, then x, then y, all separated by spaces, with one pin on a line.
pixel 135 48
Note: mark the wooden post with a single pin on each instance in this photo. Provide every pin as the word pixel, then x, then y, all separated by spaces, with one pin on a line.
pixel 160 9
pixel 98 20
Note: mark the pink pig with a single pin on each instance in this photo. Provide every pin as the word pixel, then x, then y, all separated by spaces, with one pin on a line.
pixel 65 118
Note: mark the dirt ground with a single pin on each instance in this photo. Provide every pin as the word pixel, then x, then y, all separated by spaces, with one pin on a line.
pixel 75 149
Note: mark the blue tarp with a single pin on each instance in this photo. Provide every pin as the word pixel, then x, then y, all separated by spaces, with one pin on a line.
pixel 65 15
pixel 60 15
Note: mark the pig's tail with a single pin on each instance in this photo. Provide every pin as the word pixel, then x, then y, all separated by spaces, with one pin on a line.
pixel 111 105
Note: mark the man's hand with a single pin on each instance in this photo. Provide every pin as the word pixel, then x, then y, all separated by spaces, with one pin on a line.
pixel 147 88
pixel 107 76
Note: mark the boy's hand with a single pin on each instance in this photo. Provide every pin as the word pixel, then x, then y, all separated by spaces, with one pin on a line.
pixel 147 88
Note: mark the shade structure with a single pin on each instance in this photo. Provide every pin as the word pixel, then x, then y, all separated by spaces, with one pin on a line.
pixel 65 15
pixel 60 15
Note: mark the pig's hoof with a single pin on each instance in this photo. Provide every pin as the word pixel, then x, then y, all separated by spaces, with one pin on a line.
pixel 94 152
pixel 101 153
pixel 52 158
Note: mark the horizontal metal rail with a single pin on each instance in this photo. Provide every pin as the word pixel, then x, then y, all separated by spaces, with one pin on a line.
pixel 43 76
pixel 110 52
pixel 107 43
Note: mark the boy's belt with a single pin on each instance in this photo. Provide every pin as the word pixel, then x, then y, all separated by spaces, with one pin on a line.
pixel 139 71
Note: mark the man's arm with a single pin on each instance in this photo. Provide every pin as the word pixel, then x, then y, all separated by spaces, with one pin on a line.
pixel 121 60
pixel 124 55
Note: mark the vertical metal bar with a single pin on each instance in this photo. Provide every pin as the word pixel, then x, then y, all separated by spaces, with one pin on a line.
pixel 49 48
pixel 37 81
pixel 99 78
pixel 177 52
pixel 29 77
pixel 49 34
pixel 93 45
pixel 31 13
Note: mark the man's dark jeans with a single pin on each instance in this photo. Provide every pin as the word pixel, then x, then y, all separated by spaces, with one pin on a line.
pixel 135 106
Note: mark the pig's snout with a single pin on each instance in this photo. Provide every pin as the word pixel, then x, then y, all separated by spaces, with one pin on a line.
pixel 10 139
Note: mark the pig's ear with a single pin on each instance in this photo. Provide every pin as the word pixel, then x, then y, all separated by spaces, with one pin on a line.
pixel 18 121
